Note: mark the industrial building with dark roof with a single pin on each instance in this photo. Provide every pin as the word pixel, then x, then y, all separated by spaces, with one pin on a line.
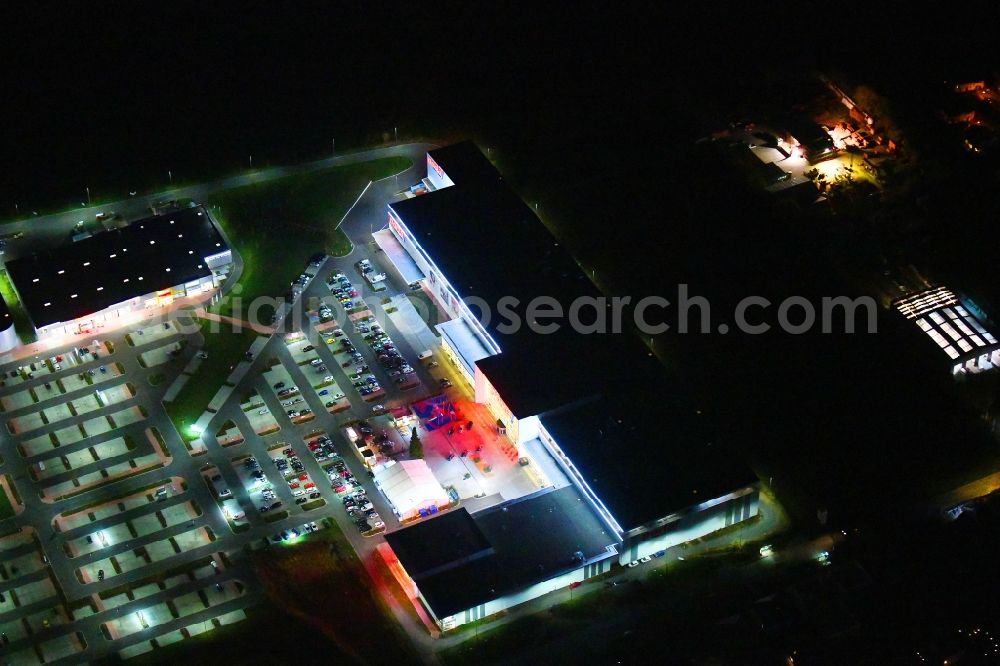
pixel 112 268
pixel 461 560
pixel 597 409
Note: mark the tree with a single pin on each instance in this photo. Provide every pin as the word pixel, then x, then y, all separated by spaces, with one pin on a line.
pixel 416 446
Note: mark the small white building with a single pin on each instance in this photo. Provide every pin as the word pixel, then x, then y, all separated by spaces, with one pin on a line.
pixel 410 487
pixel 940 314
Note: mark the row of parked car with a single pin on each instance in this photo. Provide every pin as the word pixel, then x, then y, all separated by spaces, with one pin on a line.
pixel 385 350
pixel 342 289
pixel 302 487
pixel 322 448
pixel 296 532
pixel 362 512
pixel 341 479
pixel 362 379
pixel 319 366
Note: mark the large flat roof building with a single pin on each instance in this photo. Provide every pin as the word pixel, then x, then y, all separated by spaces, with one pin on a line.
pixel 471 564
pixel 940 314
pixel 149 262
pixel 599 405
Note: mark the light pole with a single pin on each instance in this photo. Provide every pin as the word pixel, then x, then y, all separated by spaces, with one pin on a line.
pixel 170 176
pixel 251 161
pixel 333 146
pixel 88 196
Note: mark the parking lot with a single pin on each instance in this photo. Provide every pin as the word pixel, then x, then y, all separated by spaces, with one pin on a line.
pixel 90 412
pixel 87 425
pixel 82 420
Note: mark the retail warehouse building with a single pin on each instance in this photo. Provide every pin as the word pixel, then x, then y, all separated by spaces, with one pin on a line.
pixel 632 467
pixel 101 280
pixel 960 334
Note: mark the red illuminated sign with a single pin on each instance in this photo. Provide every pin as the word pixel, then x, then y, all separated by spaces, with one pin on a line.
pixel 434 165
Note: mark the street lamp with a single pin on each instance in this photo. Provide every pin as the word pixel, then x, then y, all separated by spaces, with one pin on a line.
pixel 88 196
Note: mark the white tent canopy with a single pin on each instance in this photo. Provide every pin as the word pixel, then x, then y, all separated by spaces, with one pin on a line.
pixel 409 485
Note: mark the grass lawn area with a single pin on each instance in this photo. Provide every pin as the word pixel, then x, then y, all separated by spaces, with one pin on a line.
pixel 320 581
pixel 6 508
pixel 225 348
pixel 340 245
pixel 278 225
pixel 264 637
pixel 25 331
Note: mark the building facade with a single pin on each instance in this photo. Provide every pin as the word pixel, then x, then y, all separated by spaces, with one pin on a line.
pixel 103 280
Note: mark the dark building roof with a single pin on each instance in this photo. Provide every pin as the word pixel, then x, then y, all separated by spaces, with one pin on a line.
pixel 489 244
pixel 436 545
pixel 460 560
pixel 113 266
pixel 808 133
pixel 647 453
pixel 466 165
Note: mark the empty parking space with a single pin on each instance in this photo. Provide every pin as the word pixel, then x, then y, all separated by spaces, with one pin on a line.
pixel 159 355
pixel 139 527
pixel 91 377
pixel 116 505
pixel 201 600
pixel 143 556
pixel 262 421
pixel 147 335
pixel 102 476
pixel 229 434
pixel 73 460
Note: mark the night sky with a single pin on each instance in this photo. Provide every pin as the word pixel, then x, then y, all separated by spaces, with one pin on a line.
pixel 112 98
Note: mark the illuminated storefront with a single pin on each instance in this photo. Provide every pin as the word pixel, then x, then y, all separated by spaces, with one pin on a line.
pixel 106 279
pixel 586 416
